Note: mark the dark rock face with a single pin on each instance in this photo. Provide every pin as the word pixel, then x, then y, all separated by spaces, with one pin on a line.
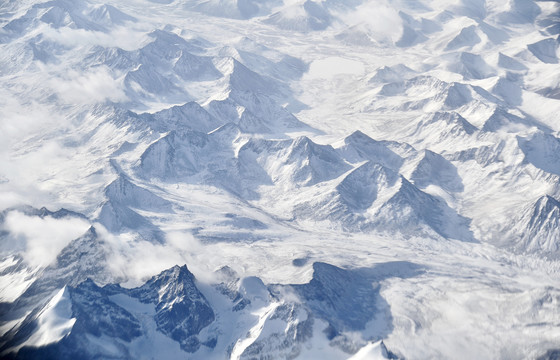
pixel 180 312
pixel 550 355
pixel 342 297
pixel 82 258
pixel 97 317
pixel 289 342
pixel 42 212
pixel 111 322
pixel 229 286
pixel 181 309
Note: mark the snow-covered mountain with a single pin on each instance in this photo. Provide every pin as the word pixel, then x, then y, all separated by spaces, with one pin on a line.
pixel 279 179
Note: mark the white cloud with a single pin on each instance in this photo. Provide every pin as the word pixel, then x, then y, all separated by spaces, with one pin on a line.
pixel 332 66
pixel 380 19
pixel 88 88
pixel 31 173
pixel 41 239
pixel 20 118
pixel 136 260
pixel 122 37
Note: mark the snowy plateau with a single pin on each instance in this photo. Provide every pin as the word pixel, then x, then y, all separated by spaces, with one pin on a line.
pixel 279 179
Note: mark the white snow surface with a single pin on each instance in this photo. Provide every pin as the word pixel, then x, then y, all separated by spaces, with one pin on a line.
pixel 267 136
pixel 54 322
pixel 373 351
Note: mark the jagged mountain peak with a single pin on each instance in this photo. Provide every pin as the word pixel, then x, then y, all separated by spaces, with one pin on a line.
pixel 454 118
pixel 373 351
pixel 536 229
pixel 84 247
pixel 108 15
pixel 165 286
pixel 168 45
pixel 327 293
pixel 474 66
pixel 187 116
pixel 243 79
pixel 435 169
pixel 124 192
pixel 182 311
pixel 407 209
pixel 545 205
pixel 502 120
pixel 77 15
pixel 359 147
pixel 510 63
pixel 304 16
pixel 42 212
pixel 360 188
pixel 307 162
pixel 545 50
pixel 467 37
pixel 167 38
pixel 173 154
pixel 394 73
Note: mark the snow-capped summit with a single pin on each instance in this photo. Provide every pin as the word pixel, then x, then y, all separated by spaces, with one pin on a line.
pixel 537 230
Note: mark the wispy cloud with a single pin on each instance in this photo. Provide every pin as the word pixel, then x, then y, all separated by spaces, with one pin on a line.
pixel 40 239
pixel 136 259
pixel 123 37
pixel 380 19
pixel 87 88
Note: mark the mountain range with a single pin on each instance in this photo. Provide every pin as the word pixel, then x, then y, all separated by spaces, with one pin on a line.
pixel 279 179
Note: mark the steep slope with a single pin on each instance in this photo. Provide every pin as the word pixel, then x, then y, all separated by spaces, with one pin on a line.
pixel 171 304
pixel 349 203
pixel 117 212
pixel 443 129
pixel 435 169
pixel 181 311
pixel 182 117
pixel 101 313
pixel 537 229
pixel 299 162
pixel 410 210
pixel 359 147
pixel 248 100
pixel 84 258
pixel 541 150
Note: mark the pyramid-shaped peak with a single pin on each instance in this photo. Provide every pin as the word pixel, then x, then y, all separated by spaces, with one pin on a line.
pixel 358 147
pixel 357 136
pixel 108 14
pixel 305 146
pixel 176 272
pixel 123 191
pixel 242 78
pixel 167 37
pixel 323 271
pixel 547 204
pixel 452 117
pixel 435 169
pixel 163 286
